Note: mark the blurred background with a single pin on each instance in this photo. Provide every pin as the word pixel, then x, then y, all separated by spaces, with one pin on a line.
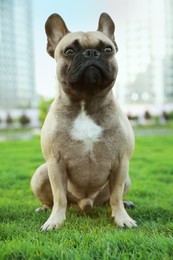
pixel 144 35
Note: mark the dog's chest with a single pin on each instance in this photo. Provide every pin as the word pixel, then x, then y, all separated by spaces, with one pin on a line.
pixel 84 129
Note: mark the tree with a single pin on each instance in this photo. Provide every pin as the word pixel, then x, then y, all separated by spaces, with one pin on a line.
pixel 44 108
pixel 9 120
pixel 147 115
pixel 24 120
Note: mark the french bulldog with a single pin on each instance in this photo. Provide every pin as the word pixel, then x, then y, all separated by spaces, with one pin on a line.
pixel 86 139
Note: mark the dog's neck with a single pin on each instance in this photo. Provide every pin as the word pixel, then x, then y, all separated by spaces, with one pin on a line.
pixel 88 103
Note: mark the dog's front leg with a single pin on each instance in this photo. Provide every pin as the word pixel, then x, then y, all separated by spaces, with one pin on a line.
pixel 58 180
pixel 117 182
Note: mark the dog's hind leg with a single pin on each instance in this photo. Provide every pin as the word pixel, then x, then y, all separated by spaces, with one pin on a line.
pixel 41 188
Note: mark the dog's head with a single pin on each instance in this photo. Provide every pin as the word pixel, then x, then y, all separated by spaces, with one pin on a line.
pixel 86 64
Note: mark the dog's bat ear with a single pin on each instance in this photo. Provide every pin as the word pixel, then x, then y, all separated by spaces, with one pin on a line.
pixel 107 26
pixel 55 29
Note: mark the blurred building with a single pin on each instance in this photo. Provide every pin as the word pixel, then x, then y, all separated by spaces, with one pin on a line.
pixel 148 52
pixel 17 83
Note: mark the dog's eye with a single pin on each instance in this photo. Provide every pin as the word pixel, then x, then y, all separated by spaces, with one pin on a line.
pixel 69 51
pixel 108 49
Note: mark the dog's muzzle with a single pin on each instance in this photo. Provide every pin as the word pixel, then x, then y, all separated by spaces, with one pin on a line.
pixel 89 70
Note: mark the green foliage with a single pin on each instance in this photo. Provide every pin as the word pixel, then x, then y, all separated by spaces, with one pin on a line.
pixel 24 120
pixel 132 117
pixel 170 115
pixel 44 108
pixel 147 115
pixel 9 119
pixel 91 236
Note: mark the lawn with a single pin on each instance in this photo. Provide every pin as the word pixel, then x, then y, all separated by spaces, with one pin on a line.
pixel 92 236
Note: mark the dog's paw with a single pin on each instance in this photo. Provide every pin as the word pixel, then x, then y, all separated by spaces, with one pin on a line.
pixel 41 209
pixel 123 220
pixel 129 204
pixel 53 222
pixel 126 223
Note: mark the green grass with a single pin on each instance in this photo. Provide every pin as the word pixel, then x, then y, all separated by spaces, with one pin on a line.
pixel 92 236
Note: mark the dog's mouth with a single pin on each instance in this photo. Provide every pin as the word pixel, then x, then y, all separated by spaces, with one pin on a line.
pixel 91 75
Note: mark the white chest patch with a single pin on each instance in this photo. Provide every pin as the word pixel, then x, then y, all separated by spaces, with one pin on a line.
pixel 85 129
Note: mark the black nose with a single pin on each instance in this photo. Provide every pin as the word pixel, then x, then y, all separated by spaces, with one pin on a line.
pixel 91 53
